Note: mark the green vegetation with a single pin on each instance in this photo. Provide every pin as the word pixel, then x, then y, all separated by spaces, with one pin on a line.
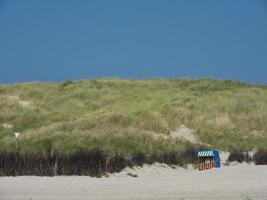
pixel 125 116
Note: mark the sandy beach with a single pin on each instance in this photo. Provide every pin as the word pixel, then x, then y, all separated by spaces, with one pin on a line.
pixel 153 182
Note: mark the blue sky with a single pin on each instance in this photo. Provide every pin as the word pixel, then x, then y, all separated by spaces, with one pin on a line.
pixel 64 40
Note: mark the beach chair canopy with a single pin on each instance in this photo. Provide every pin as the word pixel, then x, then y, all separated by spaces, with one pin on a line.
pixel 217 158
pixel 205 154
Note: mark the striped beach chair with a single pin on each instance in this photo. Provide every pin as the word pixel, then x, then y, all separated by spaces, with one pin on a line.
pixel 208 159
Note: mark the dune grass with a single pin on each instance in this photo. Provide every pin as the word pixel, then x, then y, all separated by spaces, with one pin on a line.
pixel 124 116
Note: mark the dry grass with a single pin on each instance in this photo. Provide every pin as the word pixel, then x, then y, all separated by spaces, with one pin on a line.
pixel 116 115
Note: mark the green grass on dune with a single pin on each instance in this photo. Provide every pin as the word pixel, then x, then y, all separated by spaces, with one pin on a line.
pixel 123 116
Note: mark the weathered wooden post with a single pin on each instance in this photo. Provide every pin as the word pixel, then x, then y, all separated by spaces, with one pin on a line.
pixel 55 169
pixel 17 152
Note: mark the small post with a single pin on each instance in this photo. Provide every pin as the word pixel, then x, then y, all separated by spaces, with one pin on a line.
pixel 55 170
pixel 17 152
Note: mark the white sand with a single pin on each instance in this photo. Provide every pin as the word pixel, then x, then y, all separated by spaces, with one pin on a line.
pixel 184 133
pixel 159 182
pixel 24 104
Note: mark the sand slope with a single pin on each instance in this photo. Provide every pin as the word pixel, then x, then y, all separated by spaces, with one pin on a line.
pixel 233 182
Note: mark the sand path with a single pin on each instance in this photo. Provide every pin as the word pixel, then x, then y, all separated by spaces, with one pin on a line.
pixel 233 182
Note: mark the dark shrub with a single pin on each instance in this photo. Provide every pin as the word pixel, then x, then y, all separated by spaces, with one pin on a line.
pixel 187 156
pixel 116 163
pixel 87 163
pixel 151 159
pixel 260 157
pixel 139 159
pixel 7 164
pixel 65 83
pixel 170 158
pixel 90 163
pixel 239 156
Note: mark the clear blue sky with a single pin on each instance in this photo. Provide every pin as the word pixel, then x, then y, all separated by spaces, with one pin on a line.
pixel 61 40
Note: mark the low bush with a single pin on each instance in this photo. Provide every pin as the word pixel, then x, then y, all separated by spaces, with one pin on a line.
pixel 139 159
pixel 260 157
pixel 65 83
pixel 116 163
pixel 86 163
pixel 183 157
pixel 93 162
pixel 239 156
